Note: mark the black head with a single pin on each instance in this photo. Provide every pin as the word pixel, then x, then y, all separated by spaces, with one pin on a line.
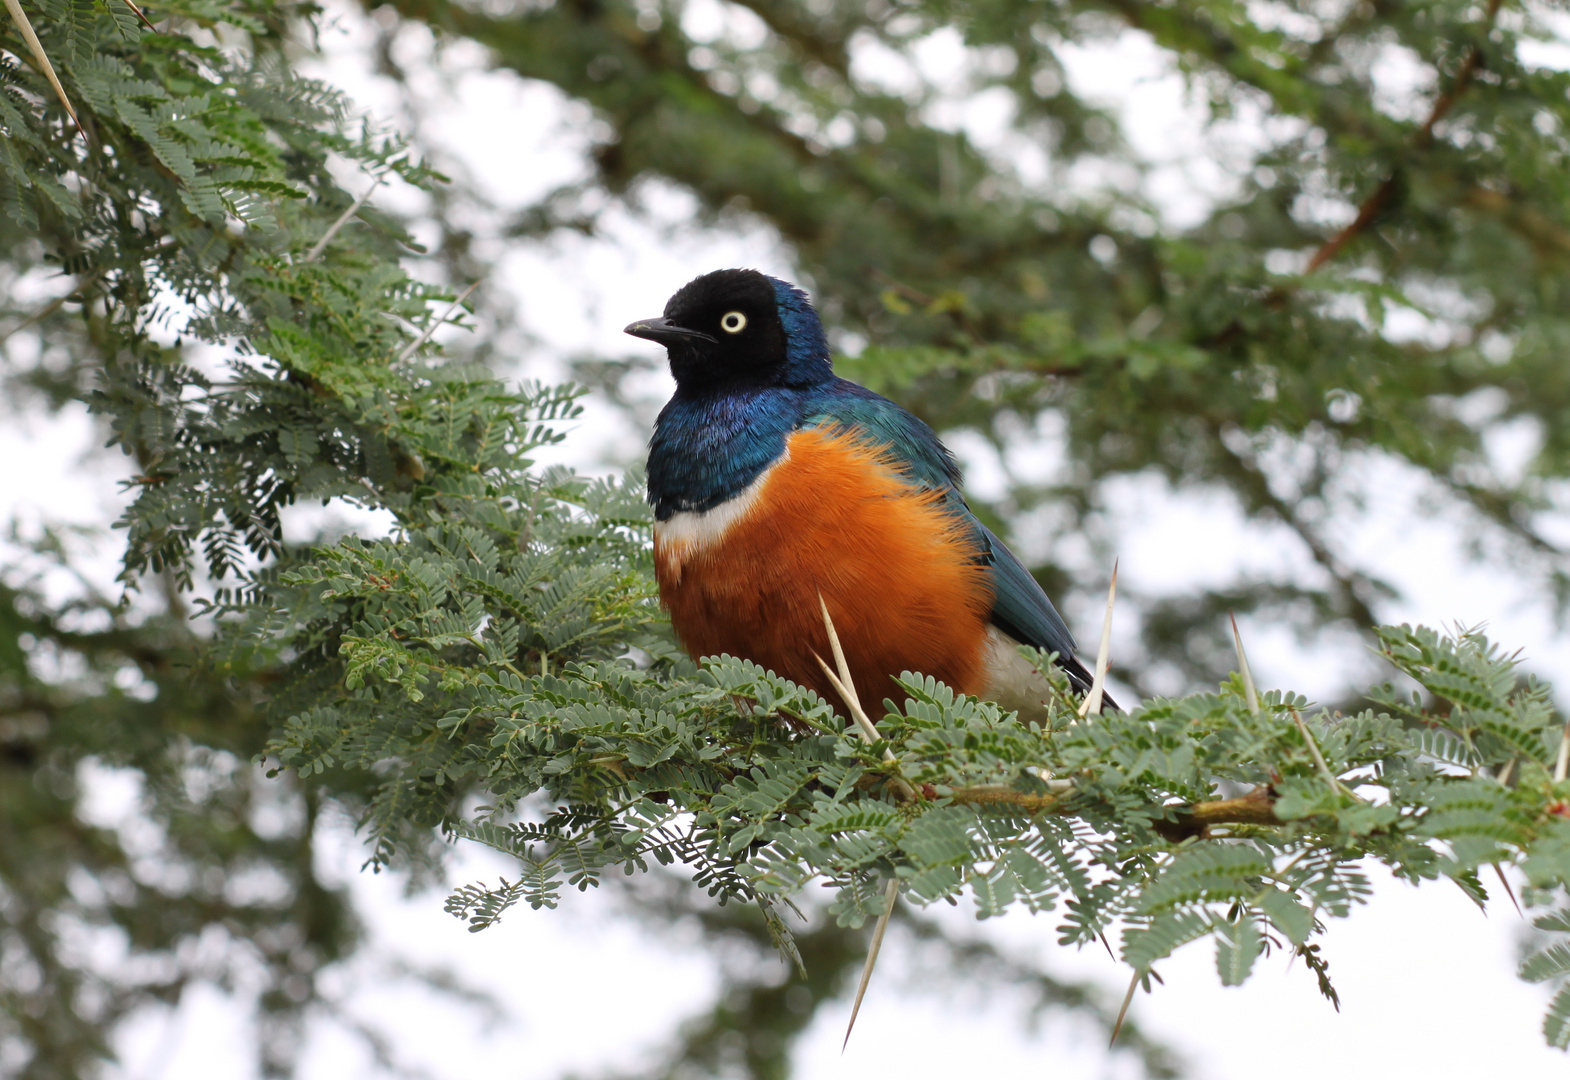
pixel 740 328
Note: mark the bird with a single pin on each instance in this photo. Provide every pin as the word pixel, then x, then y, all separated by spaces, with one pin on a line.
pixel 780 491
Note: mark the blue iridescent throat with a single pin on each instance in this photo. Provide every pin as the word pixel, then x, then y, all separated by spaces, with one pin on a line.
pixel 708 447
pixel 709 444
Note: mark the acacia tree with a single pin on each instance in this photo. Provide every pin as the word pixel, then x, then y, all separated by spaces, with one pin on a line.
pixel 480 647
pixel 162 171
pixel 1208 355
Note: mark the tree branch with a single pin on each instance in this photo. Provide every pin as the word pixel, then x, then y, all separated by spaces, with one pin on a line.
pixel 1255 808
pixel 1351 584
pixel 1422 140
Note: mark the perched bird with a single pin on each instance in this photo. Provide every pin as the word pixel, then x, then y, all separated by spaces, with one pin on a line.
pixel 774 482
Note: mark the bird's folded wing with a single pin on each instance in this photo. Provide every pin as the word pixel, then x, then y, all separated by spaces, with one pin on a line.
pixel 1019 608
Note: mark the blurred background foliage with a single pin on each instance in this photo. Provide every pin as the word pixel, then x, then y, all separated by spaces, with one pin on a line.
pixel 1380 278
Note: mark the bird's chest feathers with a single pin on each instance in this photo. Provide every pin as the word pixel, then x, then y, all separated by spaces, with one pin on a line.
pixel 833 522
pixel 708 449
pixel 701 534
pixel 830 505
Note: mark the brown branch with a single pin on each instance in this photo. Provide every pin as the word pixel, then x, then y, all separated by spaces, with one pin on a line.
pixel 1421 141
pixel 1255 808
pixel 996 795
pixel 792 24
pixel 1258 807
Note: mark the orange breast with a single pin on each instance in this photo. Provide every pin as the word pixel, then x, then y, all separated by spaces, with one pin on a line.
pixel 898 572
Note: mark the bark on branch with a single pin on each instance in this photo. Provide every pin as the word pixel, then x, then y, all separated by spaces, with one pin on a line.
pixel 1255 808
pixel 1421 141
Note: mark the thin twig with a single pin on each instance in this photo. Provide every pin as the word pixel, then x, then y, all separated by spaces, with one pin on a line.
pixel 1250 694
pixel 50 308
pixel 48 69
pixel 983 795
pixel 343 219
pixel 845 686
pixel 1425 136
pixel 1092 703
pixel 1255 808
pixel 431 328
pixel 889 896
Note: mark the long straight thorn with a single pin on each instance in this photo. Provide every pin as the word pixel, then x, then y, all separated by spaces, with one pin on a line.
pixel 343 219
pixel 1563 764
pixel 1319 758
pixel 864 726
pixel 1500 870
pixel 889 896
pixel 846 687
pixel 1250 694
pixel 30 36
pixel 1133 984
pixel 1092 703
pixel 408 349
pixel 141 15
pixel 839 654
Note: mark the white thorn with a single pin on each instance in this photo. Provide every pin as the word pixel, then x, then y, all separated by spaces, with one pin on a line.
pixel 889 896
pixel 1092 703
pixel 845 686
pixel 864 726
pixel 343 219
pixel 28 35
pixel 1250 694
pixel 431 329
pixel 839 660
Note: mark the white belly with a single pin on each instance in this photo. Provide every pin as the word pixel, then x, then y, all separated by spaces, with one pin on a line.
pixel 686 533
pixel 1011 680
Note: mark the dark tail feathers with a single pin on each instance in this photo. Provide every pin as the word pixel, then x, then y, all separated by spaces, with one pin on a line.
pixel 1082 678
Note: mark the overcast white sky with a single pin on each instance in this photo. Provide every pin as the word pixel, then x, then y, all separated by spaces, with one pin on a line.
pixel 585 990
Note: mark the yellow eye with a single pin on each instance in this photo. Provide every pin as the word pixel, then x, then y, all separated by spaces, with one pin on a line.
pixel 733 322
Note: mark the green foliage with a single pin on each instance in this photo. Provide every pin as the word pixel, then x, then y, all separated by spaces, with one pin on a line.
pixel 1028 283
pixel 758 790
pixel 503 642
pixel 201 183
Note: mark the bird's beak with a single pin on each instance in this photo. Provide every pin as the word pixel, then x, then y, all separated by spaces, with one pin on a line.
pixel 665 332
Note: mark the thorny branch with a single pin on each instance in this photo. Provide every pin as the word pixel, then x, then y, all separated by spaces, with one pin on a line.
pixel 1255 808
